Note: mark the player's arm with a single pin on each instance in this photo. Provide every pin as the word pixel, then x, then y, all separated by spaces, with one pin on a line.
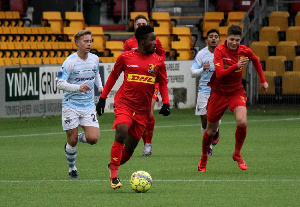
pixel 257 65
pixel 126 46
pixel 98 81
pixel 62 83
pixel 160 50
pixel 219 65
pixel 164 91
pixel 197 67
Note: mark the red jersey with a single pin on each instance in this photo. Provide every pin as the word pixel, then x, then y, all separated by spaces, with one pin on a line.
pixel 140 74
pixel 227 78
pixel 132 44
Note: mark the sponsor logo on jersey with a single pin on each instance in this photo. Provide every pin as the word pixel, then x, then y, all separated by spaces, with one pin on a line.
pixel 151 68
pixel 217 64
pixel 132 66
pixel 141 78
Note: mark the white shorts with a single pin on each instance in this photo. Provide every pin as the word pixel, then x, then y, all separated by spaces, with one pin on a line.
pixel 201 104
pixel 72 118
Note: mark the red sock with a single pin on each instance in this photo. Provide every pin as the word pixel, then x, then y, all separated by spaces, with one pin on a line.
pixel 240 136
pixel 148 133
pixel 125 156
pixel 207 140
pixel 115 158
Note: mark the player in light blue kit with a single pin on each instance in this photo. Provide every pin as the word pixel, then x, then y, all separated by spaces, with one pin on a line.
pixel 77 77
pixel 203 66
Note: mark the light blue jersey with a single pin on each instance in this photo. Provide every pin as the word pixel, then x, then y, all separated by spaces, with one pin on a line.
pixel 201 58
pixel 78 71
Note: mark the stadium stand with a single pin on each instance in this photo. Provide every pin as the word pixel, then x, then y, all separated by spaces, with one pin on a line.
pixel 291 83
pixel 223 33
pixel 184 34
pixel 269 34
pixel 287 49
pixel 114 48
pixel 279 19
pixel 211 20
pixel 163 19
pixel 74 19
pixel 235 17
pixel 182 50
pixel 277 64
pixel 260 48
pixel 54 20
pixel 164 36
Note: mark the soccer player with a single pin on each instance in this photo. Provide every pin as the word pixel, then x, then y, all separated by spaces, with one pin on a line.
pixel 227 91
pixel 77 77
pixel 203 66
pixel 142 68
pixel 132 44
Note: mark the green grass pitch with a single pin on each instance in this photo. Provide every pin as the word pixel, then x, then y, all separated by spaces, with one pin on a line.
pixel 34 170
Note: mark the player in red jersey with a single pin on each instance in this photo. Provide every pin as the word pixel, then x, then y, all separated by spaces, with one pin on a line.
pixel 227 91
pixel 132 44
pixel 142 68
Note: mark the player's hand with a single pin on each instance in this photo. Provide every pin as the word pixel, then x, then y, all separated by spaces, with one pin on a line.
pixel 242 62
pixel 206 66
pixel 165 110
pixel 100 106
pixel 264 86
pixel 84 88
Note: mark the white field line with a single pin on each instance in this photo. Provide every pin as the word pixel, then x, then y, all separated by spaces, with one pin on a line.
pixel 170 126
pixel 175 181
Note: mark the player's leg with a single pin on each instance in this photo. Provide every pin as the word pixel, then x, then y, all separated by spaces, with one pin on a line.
pixel 203 129
pixel 70 122
pixel 148 133
pixel 130 145
pixel 240 113
pixel 116 154
pixel 90 125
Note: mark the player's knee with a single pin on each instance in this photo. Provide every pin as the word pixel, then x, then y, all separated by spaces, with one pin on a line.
pixel 241 123
pixel 92 140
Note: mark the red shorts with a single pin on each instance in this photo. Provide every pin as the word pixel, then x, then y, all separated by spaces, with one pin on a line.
pixel 155 95
pixel 136 122
pixel 217 104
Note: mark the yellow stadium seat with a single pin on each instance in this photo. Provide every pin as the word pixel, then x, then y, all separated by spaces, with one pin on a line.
pixel 211 20
pixel 269 34
pixel 287 49
pixel 164 36
pixel 115 47
pixel 277 64
pixel 184 34
pixel 296 63
pixel 99 38
pixel 223 33
pixel 54 20
pixel 74 19
pixel 162 19
pixel 291 83
pixel 182 50
pixel 270 78
pixel 260 49
pixel 293 34
pixel 279 19
pixel 235 17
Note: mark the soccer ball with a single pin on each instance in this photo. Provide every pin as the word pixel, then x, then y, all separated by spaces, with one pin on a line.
pixel 140 181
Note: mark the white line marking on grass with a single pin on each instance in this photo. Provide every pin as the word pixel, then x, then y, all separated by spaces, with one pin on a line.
pixel 170 126
pixel 175 181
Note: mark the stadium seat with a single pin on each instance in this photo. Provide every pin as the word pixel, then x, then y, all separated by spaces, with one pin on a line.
pixel 182 50
pixel 270 78
pixel 99 39
pixel 70 31
pixel 225 6
pixel 279 19
pixel 115 48
pixel 291 83
pixel 223 33
pixel 74 19
pixel 235 17
pixel 163 19
pixel 164 36
pixel 287 49
pixel 293 34
pixel 269 34
pixel 277 64
pixel 54 20
pixel 260 49
pixel 184 34
pixel 211 20
pixel 297 19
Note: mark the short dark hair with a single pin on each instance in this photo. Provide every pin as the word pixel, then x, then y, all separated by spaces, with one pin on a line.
pixel 140 16
pixel 234 30
pixel 142 31
pixel 212 31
